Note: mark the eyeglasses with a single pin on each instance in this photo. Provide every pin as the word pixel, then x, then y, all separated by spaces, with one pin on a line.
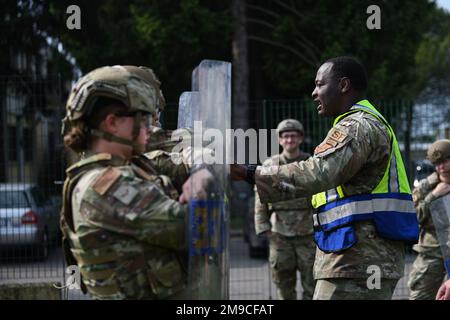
pixel 292 136
pixel 146 119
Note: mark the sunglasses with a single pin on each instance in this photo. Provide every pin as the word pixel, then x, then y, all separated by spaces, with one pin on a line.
pixel 146 119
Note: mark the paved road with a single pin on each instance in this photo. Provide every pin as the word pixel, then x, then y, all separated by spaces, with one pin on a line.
pixel 249 278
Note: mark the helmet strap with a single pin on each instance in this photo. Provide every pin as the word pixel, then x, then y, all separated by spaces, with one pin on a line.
pixel 110 137
pixel 137 148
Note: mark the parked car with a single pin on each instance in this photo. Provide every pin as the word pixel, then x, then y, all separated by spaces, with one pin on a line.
pixel 27 219
pixel 258 246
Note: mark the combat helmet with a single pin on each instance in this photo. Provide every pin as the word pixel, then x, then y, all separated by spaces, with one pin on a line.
pixel 139 96
pixel 439 151
pixel 150 78
pixel 290 125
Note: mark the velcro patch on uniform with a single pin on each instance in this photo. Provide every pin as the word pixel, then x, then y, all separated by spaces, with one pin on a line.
pixel 334 138
pixel 145 202
pixel 106 180
pixel 337 135
pixel 322 148
pixel 125 193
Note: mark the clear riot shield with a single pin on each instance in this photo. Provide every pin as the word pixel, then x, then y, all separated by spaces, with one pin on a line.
pixel 207 110
pixel 440 212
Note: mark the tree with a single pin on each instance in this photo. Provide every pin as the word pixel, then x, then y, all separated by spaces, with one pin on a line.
pixel 171 37
pixel 433 61
pixel 296 36
pixel 240 65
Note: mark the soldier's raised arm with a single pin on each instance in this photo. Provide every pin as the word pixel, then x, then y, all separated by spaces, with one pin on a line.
pixel 335 161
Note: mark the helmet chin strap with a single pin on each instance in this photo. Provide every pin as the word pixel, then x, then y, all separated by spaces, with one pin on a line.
pixel 137 147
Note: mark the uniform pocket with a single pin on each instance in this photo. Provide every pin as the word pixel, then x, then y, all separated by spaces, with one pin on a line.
pixel 165 278
pixel 133 284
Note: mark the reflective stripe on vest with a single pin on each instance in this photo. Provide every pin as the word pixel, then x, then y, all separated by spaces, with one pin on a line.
pixel 393 214
pixel 389 205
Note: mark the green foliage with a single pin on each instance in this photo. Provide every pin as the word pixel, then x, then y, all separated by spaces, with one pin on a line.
pixel 171 37
pixel 290 39
pixel 433 60
pixel 319 30
pixel 19 22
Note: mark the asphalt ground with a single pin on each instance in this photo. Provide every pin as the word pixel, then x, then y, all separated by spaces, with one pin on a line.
pixel 250 278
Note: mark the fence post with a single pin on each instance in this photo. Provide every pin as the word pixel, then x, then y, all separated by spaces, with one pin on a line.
pixel 409 106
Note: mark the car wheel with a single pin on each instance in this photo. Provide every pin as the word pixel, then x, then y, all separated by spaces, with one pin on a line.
pixel 44 246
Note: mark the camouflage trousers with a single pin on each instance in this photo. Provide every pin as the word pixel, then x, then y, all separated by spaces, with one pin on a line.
pixel 353 289
pixel 286 256
pixel 426 276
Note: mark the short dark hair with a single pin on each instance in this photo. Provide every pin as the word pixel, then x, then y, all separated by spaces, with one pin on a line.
pixel 351 68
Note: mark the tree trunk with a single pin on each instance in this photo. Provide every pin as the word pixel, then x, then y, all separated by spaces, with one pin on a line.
pixel 240 66
pixel 240 109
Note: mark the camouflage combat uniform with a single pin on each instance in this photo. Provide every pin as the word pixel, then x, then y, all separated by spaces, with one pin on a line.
pixel 160 139
pixel 291 243
pixel 357 161
pixel 126 231
pixel 428 270
pixel 162 162
pixel 175 165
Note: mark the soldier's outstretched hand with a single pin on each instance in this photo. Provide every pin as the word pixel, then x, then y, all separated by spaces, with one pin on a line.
pixel 444 291
pixel 196 186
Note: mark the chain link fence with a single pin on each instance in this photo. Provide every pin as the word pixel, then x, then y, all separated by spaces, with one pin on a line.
pixel 32 164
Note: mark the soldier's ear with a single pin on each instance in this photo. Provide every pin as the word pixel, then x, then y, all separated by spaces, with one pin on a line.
pixel 110 123
pixel 344 84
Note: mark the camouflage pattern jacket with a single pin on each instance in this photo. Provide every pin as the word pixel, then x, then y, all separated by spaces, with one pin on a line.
pixel 288 218
pixel 176 165
pixel 126 234
pixel 357 162
pixel 422 196
pixel 162 161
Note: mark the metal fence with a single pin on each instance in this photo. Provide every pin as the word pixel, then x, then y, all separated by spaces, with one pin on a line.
pixel 32 164
pixel 31 175
pixel 416 126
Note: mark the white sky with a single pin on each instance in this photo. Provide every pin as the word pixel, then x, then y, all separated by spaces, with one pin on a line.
pixel 444 4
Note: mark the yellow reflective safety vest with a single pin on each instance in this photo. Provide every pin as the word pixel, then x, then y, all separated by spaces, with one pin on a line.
pixel 389 205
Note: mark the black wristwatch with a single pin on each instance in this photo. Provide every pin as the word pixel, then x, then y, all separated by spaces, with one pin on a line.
pixel 250 174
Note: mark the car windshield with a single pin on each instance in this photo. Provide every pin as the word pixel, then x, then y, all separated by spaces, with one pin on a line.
pixel 13 199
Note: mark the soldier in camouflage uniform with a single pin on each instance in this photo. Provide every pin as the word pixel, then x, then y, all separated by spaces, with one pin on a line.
pixel 356 160
pixel 428 270
pixel 288 224
pixel 161 142
pixel 171 153
pixel 121 222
